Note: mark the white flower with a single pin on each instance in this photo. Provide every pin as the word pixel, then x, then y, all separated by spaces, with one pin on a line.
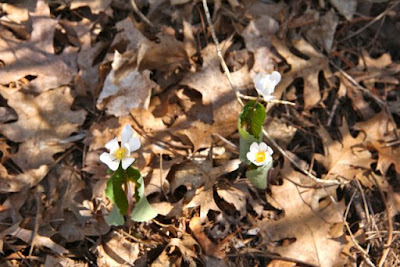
pixel 121 153
pixel 265 84
pixel 260 154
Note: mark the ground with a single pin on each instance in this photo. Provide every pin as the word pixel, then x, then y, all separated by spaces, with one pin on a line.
pixel 75 73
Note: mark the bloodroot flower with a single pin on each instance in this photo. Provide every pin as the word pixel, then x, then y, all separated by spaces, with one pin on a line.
pixel 265 84
pixel 260 154
pixel 121 153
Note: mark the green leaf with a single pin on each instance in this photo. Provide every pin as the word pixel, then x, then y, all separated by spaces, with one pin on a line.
pixel 133 174
pixel 143 211
pixel 250 123
pixel 115 217
pixel 115 193
pixel 259 176
pixel 251 119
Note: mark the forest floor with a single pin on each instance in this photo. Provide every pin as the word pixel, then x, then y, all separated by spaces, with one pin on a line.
pixel 74 73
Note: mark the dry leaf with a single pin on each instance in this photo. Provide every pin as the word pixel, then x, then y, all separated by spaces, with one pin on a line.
pixel 217 97
pixel 26 236
pixel 187 247
pixel 347 158
pixel 345 7
pixel 306 221
pixel 125 87
pixel 378 130
pixel 15 183
pixel 209 248
pixel 43 121
pixel 95 6
pixel 257 35
pixel 205 199
pixel 301 68
pixel 116 250
pixel 36 56
pixel 323 32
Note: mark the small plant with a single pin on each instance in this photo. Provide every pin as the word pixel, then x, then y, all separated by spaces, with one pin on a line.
pixel 118 188
pixel 252 150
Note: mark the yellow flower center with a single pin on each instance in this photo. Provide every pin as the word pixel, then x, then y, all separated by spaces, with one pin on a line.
pixel 260 156
pixel 120 153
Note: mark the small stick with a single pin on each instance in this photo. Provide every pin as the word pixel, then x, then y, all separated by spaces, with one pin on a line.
pixel 141 15
pixel 307 173
pixel 384 13
pixel 353 239
pixel 283 102
pixel 221 58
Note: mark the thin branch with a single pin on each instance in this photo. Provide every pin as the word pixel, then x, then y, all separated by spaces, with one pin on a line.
pixel 353 239
pixel 307 173
pixel 377 18
pixel 141 15
pixel 219 53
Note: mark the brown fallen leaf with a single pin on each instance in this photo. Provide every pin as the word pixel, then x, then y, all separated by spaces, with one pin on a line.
pixel 257 35
pixel 26 236
pixel 43 122
pixel 347 158
pixel 15 183
pixel 36 56
pixel 187 246
pixel 323 32
pixel 125 87
pixel 301 68
pixel 379 130
pixel 218 99
pixel 95 6
pixel 209 248
pixel 117 250
pixel 302 233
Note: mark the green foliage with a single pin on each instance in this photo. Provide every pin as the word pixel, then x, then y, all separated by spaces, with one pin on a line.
pixel 250 123
pixel 259 176
pixel 114 191
pixel 115 217
pixel 143 210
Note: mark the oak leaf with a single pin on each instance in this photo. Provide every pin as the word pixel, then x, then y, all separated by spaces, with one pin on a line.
pixel 307 219
pixel 43 122
pixel 344 159
pixel 302 68
pixel 379 130
pixel 36 56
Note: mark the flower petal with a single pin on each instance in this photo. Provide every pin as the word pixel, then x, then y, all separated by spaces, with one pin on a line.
pixel 262 146
pixel 112 145
pixel 134 143
pixel 127 133
pixel 126 162
pixel 127 150
pixel 270 151
pixel 254 147
pixel 276 77
pixel 251 156
pixel 107 159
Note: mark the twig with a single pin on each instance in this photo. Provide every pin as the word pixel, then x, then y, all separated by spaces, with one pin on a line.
pixel 37 221
pixel 307 173
pixel 221 58
pixel 368 92
pixel 141 15
pixel 283 102
pixel 353 239
pixel 390 227
pixel 384 13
